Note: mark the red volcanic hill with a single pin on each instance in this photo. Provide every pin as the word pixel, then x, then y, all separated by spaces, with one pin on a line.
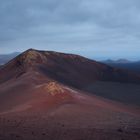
pixel 41 98
pixel 69 69
pixel 33 67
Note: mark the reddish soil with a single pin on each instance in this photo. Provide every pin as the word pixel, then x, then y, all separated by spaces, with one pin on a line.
pixel 36 106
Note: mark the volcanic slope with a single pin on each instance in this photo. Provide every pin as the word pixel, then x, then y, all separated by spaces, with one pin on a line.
pixel 40 98
pixel 72 70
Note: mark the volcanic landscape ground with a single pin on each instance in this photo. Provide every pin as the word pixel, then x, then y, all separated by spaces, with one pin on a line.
pixel 50 96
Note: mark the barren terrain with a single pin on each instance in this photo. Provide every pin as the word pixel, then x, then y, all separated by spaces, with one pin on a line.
pixel 41 98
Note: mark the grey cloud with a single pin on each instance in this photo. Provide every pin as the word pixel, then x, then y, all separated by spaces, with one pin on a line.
pixel 59 24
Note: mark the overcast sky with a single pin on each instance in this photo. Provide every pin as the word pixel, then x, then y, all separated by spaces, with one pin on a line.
pixel 98 29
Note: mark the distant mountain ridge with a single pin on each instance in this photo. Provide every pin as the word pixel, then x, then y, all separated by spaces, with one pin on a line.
pixel 4 58
pixel 133 66
pixel 117 61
